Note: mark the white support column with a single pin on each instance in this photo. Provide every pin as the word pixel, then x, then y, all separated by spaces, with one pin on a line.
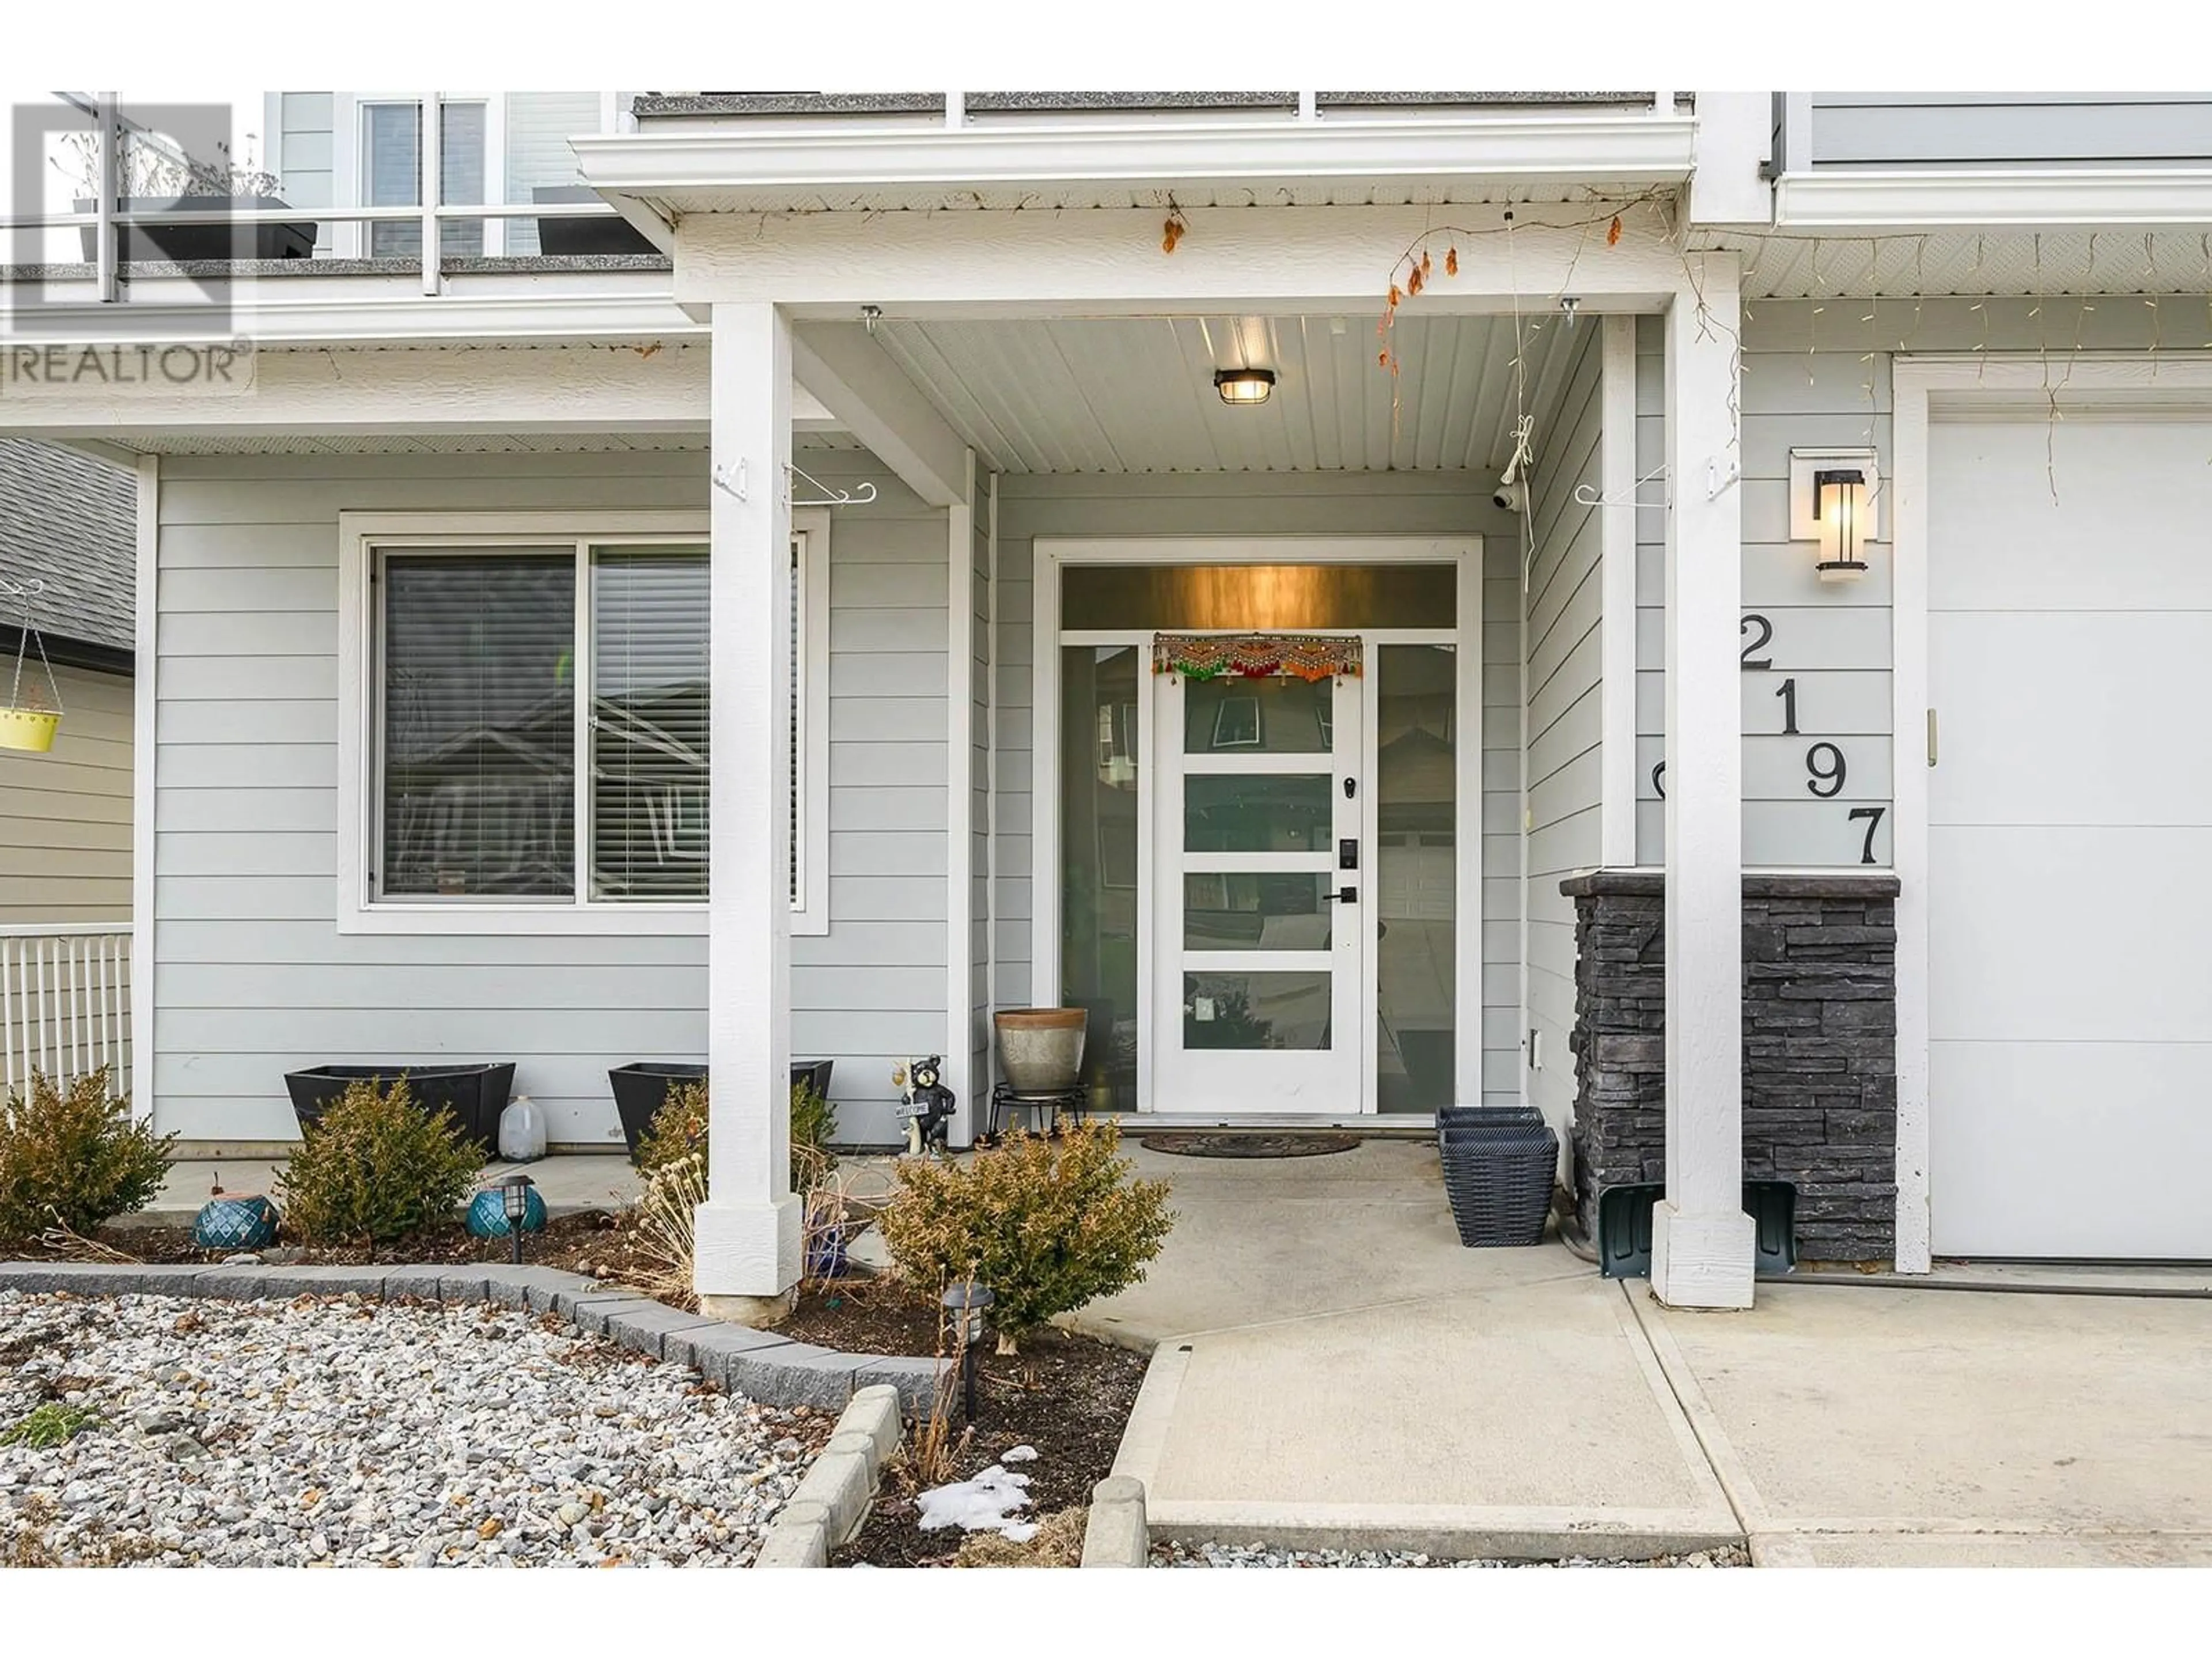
pixel 1617 584
pixel 1702 1242
pixel 748 1246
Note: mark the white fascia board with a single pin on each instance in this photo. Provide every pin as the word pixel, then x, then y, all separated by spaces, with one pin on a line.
pixel 353 309
pixel 655 388
pixel 1108 262
pixel 775 170
pixel 1897 200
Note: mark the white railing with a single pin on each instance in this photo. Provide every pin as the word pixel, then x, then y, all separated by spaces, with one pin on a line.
pixel 65 1002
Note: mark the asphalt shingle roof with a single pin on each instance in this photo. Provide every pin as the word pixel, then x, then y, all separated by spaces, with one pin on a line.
pixel 71 521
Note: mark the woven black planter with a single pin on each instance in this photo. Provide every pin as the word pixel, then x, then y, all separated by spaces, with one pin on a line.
pixel 475 1095
pixel 1499 1164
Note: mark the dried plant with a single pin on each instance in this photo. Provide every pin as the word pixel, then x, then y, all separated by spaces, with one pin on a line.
pixel 1058 1543
pixel 66 1245
pixel 679 1130
pixel 146 167
pixel 72 1158
pixel 827 1221
pixel 664 1228
pixel 933 1455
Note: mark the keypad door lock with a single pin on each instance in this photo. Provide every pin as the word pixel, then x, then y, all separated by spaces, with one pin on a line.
pixel 1348 855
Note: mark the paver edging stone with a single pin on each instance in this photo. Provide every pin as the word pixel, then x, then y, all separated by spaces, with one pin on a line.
pixel 759 1363
pixel 831 1504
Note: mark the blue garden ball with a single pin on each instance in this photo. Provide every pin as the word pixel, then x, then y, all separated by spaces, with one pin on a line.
pixel 235 1224
pixel 488 1213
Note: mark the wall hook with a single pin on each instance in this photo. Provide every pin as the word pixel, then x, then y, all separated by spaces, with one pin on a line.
pixel 1717 480
pixel 1588 495
pixel 733 479
pixel 860 496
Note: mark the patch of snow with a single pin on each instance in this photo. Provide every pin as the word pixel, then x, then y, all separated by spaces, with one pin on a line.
pixel 985 1504
pixel 1019 1454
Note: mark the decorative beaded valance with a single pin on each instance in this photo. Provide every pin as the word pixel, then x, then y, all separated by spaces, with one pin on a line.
pixel 1255 656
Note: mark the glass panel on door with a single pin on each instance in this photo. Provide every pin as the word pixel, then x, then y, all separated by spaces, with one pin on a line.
pixel 1261 929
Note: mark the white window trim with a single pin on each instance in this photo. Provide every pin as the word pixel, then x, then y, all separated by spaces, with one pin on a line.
pixel 360 536
pixel 349 186
pixel 810 848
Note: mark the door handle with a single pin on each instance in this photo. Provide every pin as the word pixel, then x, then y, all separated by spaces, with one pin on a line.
pixel 1342 895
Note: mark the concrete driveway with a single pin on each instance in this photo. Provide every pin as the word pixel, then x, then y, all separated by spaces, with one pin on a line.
pixel 1332 1370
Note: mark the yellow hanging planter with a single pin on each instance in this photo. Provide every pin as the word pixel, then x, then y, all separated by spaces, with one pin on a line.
pixel 26 723
pixel 29 729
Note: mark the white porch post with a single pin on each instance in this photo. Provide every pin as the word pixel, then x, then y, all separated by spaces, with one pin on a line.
pixel 1702 1242
pixel 748 1245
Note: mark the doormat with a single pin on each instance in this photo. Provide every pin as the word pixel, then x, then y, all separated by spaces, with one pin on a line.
pixel 1247 1145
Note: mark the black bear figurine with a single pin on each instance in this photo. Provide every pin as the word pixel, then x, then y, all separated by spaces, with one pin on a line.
pixel 929 1106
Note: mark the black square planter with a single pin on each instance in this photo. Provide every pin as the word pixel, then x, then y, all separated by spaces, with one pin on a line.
pixel 475 1095
pixel 219 238
pixel 591 236
pixel 642 1087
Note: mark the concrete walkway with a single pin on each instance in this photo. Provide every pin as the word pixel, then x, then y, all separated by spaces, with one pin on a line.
pixel 1333 1369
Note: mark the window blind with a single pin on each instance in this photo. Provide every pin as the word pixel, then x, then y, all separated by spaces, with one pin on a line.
pixel 649 674
pixel 391 134
pixel 478 757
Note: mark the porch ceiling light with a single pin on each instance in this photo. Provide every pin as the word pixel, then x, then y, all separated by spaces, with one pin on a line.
pixel 1839 510
pixel 1244 387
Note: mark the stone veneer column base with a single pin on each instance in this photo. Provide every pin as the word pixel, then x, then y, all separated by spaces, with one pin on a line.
pixel 1819 1037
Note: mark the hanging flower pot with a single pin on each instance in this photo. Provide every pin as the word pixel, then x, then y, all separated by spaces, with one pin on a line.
pixel 27 721
pixel 30 729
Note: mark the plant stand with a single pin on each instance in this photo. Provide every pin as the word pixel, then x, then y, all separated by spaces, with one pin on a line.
pixel 1044 1106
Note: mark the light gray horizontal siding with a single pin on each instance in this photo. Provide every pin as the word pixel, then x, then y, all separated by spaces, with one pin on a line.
pixel 1965 129
pixel 1564 611
pixel 253 978
pixel 1340 503
pixel 65 815
pixel 1818 375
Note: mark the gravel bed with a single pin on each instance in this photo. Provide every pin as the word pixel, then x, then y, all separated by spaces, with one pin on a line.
pixel 336 1431
pixel 1178 1554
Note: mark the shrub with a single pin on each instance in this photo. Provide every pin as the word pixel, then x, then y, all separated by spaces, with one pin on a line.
pixel 72 1157
pixel 1047 1227
pixel 679 1130
pixel 376 1167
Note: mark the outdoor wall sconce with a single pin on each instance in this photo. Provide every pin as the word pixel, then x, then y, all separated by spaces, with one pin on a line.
pixel 1244 387
pixel 1840 505
pixel 1833 503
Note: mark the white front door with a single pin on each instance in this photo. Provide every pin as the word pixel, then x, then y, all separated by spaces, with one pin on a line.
pixel 1261 908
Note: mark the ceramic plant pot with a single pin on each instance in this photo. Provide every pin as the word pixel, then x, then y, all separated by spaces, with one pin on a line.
pixel 1041 1049
pixel 236 1221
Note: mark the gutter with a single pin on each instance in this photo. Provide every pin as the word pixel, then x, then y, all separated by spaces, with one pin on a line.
pixel 63 653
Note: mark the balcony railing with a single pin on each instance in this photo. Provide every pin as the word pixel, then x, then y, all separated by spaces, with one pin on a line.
pixel 113 230
pixel 64 1003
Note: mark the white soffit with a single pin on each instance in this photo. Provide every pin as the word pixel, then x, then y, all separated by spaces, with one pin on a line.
pixel 1976 263
pixel 1136 394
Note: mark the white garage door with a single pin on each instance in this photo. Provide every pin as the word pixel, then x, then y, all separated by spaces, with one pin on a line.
pixel 2070 838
